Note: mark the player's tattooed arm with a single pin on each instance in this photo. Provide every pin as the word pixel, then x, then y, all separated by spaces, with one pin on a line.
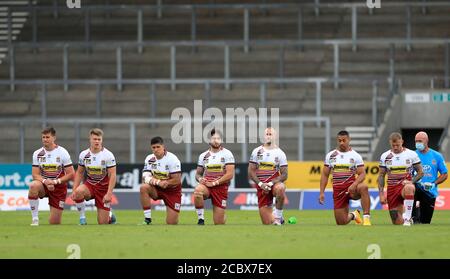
pixel 173 181
pixel 419 173
pixel 380 181
pixel 229 174
pixel 283 176
pixel 323 183
pixel 199 174
pixel 252 173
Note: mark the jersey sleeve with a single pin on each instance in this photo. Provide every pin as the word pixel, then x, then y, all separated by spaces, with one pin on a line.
pixel 442 168
pixel 35 160
pixel 253 156
pixel 175 165
pixel 111 161
pixel 283 159
pixel 229 158
pixel 415 158
pixel 327 162
pixel 66 160
pixel 359 162
pixel 81 159
pixel 200 160
pixel 383 161
pixel 146 165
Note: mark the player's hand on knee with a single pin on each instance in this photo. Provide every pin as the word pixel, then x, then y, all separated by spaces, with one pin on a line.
pixel 383 198
pixel 107 198
pixel 163 184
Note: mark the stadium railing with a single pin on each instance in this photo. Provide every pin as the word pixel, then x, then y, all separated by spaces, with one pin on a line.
pixel 85 11
pixel 132 122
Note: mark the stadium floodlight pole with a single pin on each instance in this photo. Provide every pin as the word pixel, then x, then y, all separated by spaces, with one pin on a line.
pixel 318 101
pixel 12 67
pixel 246 30
pixel 300 27
pixel 408 28
pixel 354 27
pixel 173 66
pixel 447 65
pixel 132 142
pixel 336 65
pixel 300 141
pixel 193 29
pixel 119 68
pixel 140 29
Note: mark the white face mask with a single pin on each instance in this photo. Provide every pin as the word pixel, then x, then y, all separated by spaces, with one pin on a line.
pixel 420 146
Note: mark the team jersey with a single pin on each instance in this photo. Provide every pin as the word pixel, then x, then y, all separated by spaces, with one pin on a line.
pixel 97 165
pixel 432 163
pixel 51 164
pixel 343 166
pixel 164 167
pixel 399 166
pixel 214 163
pixel 268 161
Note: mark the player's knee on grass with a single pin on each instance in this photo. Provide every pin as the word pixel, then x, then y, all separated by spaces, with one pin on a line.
pixel 172 218
pixel 34 188
pixel 55 217
pixel 266 215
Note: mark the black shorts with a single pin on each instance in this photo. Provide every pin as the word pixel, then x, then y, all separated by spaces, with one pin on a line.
pixel 424 213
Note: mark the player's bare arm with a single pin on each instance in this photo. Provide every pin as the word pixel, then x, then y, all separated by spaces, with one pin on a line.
pixel 173 181
pixel 77 179
pixel 229 174
pixel 361 176
pixel 381 181
pixel 252 173
pixel 419 173
pixel 283 175
pixel 69 175
pixel 323 183
pixel 442 177
pixel 199 175
pixel 112 183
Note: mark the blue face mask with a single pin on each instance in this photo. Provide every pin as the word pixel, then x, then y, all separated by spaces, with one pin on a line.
pixel 420 146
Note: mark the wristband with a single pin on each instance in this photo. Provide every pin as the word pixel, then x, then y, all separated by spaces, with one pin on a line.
pixel 270 184
pixel 43 181
pixel 157 182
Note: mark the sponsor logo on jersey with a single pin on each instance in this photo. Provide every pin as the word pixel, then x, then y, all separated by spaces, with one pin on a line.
pixel 408 161
pixel 266 166
pixel 58 159
pixel 50 167
pixel 103 163
pixel 160 174
pixel 214 168
pixel 94 170
pixel 398 170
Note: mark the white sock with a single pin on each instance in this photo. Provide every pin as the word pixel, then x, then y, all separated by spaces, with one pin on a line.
pixel 148 213
pixel 201 213
pixel 278 213
pixel 366 216
pixel 81 207
pixel 408 205
pixel 34 206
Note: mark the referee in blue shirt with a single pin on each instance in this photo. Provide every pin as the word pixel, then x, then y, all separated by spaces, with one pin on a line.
pixel 426 189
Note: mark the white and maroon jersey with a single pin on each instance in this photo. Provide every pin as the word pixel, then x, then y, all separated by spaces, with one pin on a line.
pixel 51 164
pixel 97 165
pixel 214 164
pixel 164 167
pixel 268 161
pixel 343 166
pixel 399 166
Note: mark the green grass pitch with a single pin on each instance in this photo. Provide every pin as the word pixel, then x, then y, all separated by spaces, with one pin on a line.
pixel 314 236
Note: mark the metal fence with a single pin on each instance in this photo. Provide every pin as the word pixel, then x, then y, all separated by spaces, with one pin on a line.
pixel 132 122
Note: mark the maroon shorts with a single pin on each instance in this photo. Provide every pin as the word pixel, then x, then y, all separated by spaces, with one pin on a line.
pixel 97 193
pixel 340 196
pixel 57 197
pixel 394 196
pixel 264 199
pixel 171 197
pixel 219 195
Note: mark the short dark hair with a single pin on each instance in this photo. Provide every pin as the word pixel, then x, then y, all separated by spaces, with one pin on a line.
pixel 156 140
pixel 343 133
pixel 48 130
pixel 214 131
